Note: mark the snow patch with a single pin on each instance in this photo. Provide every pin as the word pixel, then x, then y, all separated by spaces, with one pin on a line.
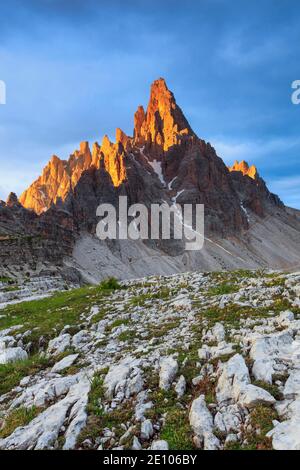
pixel 245 211
pixel 171 182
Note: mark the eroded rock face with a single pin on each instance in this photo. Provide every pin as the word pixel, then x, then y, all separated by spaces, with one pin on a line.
pixel 26 238
pixel 252 190
pixel 164 160
pixel 60 177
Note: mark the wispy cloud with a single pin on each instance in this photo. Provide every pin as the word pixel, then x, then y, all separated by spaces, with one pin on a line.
pixel 252 151
pixel 288 188
pixel 240 53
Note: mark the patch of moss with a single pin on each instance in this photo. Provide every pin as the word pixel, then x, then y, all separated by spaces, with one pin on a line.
pixel 17 418
pixel 117 323
pixel 271 388
pixel 46 317
pixel 127 335
pixel 163 329
pixel 141 300
pixel 261 420
pixel 6 280
pixel 12 373
pixel 223 288
pixel 206 387
pixel 11 289
pixel 96 395
pixel 110 284
pixel 176 430
pixel 98 419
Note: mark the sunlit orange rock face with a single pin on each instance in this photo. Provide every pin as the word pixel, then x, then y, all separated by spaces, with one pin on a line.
pixel 244 168
pixel 185 165
pixel 160 128
pixel 60 177
pixel 163 125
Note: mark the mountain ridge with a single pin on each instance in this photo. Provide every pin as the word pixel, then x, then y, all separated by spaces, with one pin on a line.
pixel 163 161
pixel 163 135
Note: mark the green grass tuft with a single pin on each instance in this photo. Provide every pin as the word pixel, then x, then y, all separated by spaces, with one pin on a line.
pixel 17 418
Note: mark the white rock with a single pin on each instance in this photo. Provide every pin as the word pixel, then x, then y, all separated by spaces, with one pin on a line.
pixel 292 385
pixel 231 438
pixel 269 346
pixel 168 371
pixel 286 317
pixel 228 419
pixel 197 380
pixel 286 435
pixel 159 445
pixel 45 390
pixel 223 349
pixel 124 438
pixel 115 375
pixel 80 339
pixel 134 384
pixel 204 353
pixel 136 445
pixel 180 387
pixel 142 405
pixel 265 349
pixel 12 355
pixel 201 420
pixel 77 416
pixel 64 363
pixel 263 370
pixel 218 332
pixel 59 344
pixel 146 430
pixel 7 342
pixel 181 301
pixel 252 396
pixel 211 442
pixel 234 377
pixel 42 431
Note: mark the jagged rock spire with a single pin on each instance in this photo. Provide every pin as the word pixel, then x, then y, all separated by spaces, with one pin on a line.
pixel 164 123
pixel 244 168
pixel 12 200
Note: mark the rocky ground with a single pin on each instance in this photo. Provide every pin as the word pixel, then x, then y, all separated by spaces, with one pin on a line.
pixel 194 360
pixel 32 286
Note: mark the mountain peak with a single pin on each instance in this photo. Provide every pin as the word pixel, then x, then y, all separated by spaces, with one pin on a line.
pixel 121 137
pixel 164 124
pixel 12 200
pixel 244 168
pixel 160 92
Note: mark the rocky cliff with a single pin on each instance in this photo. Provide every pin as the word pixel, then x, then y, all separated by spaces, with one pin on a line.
pixel 164 160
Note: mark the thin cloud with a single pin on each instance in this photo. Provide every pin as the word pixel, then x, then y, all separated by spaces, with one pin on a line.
pixel 288 188
pixel 252 150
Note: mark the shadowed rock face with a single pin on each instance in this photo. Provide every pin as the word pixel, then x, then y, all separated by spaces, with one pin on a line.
pixel 26 237
pixel 252 190
pixel 163 160
pixel 60 177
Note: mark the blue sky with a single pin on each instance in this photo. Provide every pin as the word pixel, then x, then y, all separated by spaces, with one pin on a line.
pixel 75 70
